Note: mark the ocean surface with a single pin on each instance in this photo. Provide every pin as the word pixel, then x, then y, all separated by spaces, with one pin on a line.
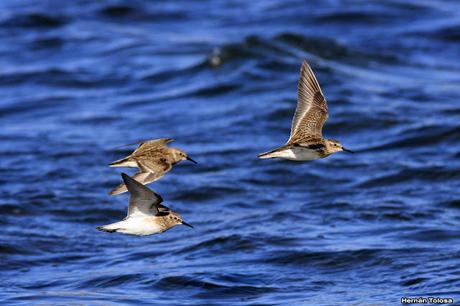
pixel 79 79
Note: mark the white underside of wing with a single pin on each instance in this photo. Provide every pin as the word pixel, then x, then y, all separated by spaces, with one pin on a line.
pixel 130 164
pixel 127 164
pixel 142 177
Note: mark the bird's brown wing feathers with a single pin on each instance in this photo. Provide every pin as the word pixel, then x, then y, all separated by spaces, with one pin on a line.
pixel 158 165
pixel 311 112
pixel 150 171
pixel 145 148
pixel 151 144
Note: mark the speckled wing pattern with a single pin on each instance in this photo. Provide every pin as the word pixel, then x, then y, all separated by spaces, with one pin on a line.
pixel 150 171
pixel 311 112
pixel 152 144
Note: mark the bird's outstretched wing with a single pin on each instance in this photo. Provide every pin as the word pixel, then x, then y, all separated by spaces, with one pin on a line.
pixel 144 146
pixel 142 199
pixel 311 112
pixel 150 171
pixel 154 143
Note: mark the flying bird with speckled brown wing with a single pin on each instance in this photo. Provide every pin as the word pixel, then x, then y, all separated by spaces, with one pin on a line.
pixel 153 158
pixel 306 141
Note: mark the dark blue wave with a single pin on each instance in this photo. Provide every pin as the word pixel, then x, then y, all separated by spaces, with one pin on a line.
pixel 81 79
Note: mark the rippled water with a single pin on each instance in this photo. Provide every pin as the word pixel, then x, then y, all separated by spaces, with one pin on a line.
pixel 80 78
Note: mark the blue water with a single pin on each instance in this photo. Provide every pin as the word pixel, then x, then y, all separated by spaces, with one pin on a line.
pixel 80 78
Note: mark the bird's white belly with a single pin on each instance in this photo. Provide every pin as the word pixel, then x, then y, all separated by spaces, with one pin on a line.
pixel 140 226
pixel 299 154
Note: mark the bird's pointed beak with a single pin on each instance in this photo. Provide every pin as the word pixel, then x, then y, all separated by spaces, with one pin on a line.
pixel 186 224
pixel 346 150
pixel 189 159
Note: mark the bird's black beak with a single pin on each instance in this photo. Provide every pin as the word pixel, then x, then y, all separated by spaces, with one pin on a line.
pixel 189 159
pixel 346 150
pixel 186 224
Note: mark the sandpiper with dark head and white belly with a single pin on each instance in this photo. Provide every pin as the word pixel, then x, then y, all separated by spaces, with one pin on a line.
pixel 306 141
pixel 154 158
pixel 146 214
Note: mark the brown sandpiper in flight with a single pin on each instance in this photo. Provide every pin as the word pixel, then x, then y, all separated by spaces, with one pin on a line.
pixel 306 141
pixel 153 158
